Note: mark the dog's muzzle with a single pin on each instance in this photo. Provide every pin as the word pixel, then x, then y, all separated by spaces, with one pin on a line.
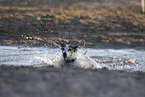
pixel 70 61
pixel 67 60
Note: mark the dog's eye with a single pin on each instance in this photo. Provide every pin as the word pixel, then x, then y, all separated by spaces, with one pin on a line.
pixel 69 49
pixel 62 48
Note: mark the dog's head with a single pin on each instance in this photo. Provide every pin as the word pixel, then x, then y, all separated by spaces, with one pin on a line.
pixel 69 52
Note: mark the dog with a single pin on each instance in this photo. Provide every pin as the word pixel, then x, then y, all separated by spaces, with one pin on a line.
pixel 69 57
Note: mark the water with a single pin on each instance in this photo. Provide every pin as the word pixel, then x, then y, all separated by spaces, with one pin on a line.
pixel 121 59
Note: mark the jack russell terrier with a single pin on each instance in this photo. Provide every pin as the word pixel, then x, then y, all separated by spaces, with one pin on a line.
pixel 71 58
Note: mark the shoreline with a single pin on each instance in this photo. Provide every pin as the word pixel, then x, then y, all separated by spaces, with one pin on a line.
pixel 100 46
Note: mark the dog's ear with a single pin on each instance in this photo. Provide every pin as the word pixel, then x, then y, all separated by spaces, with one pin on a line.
pixel 62 46
pixel 76 48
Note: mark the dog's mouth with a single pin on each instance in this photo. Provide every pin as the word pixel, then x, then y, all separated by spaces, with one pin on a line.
pixel 70 61
pixel 68 57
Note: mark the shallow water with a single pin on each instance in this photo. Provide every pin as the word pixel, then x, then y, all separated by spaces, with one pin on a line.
pixel 120 59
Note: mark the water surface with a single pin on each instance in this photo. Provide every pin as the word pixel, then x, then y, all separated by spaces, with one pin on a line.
pixel 114 59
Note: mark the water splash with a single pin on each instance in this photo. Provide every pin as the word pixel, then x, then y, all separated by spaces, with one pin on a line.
pixel 40 61
pixel 65 35
pixel 84 42
pixel 122 59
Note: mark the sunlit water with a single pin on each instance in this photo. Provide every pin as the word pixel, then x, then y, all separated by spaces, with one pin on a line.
pixel 121 59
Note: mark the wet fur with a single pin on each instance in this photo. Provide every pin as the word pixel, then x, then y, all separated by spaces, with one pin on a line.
pixel 80 59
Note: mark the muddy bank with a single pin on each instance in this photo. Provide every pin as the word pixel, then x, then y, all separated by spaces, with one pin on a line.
pixel 69 82
pixel 90 23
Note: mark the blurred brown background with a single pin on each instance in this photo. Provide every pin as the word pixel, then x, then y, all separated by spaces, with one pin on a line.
pixel 93 23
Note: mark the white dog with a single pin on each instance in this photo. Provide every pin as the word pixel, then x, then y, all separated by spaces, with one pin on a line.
pixel 71 58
